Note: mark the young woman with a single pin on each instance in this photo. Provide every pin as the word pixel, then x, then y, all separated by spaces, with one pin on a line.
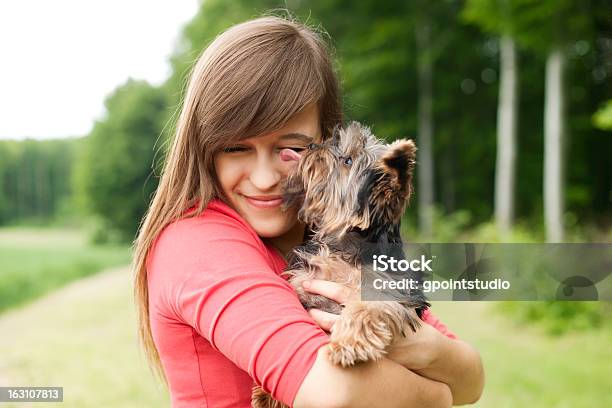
pixel 215 314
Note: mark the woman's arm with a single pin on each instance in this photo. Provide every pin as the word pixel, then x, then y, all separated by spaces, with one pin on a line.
pixel 433 355
pixel 384 384
pixel 426 352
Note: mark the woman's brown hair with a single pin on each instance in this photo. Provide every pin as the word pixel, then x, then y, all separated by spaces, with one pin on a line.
pixel 249 81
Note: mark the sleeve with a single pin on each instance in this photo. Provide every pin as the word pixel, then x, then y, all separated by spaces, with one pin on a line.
pixel 432 320
pixel 226 290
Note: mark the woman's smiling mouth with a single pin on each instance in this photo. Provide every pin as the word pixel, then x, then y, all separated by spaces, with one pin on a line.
pixel 264 201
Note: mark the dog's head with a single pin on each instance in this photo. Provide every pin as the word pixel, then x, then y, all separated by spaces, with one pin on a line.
pixel 352 181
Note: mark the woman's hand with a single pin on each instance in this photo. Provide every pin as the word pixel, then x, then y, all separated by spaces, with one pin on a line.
pixel 426 352
pixel 416 351
pixel 331 290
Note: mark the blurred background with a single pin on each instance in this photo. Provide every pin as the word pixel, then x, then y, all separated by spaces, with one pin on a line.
pixel 509 101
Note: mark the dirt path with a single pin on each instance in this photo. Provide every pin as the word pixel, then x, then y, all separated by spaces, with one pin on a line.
pixel 83 338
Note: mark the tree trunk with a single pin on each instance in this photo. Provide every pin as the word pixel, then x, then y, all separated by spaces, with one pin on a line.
pixel 447 179
pixel 425 190
pixel 505 171
pixel 554 129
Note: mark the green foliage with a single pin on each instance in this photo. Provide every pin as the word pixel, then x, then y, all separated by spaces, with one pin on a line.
pixel 376 57
pixel 555 317
pixel 458 227
pixel 114 177
pixel 535 24
pixel 558 317
pixel 603 117
pixel 446 227
pixel 492 16
pixel 34 179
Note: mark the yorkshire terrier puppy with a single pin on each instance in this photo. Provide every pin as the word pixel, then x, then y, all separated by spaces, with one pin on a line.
pixel 352 191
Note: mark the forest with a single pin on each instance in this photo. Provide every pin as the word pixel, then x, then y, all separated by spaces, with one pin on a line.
pixel 509 106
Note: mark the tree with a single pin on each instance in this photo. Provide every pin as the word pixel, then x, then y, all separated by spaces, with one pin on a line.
pixel 546 28
pixel 425 120
pixel 34 178
pixel 507 114
pixel 497 17
pixel 377 58
pixel 554 135
pixel 603 117
pixel 387 53
pixel 113 175
pixel 560 23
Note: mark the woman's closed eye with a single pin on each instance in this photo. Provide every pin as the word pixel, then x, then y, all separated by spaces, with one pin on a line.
pixel 235 149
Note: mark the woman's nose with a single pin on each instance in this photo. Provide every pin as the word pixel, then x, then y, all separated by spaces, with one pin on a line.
pixel 265 175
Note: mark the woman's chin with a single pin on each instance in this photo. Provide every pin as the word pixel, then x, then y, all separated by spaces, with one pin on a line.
pixel 271 228
pixel 271 223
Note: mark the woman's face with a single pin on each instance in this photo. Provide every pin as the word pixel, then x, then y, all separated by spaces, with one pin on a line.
pixel 250 173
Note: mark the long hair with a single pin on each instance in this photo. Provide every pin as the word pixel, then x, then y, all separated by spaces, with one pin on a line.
pixel 250 80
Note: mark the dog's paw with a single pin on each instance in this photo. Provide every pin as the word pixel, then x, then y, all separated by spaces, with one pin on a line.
pixel 349 353
pixel 364 332
pixel 261 399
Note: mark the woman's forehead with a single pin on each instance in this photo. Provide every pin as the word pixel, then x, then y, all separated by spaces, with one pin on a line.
pixel 304 127
pixel 300 137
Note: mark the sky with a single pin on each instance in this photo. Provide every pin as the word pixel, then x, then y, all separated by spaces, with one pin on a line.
pixel 59 59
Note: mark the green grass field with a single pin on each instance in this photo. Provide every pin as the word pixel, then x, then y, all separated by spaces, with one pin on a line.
pixel 83 337
pixel 525 366
pixel 34 261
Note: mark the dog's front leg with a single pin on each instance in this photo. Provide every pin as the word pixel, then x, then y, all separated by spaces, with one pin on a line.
pixel 261 399
pixel 366 329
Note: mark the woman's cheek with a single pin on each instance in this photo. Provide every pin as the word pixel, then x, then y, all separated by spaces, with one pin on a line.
pixel 226 173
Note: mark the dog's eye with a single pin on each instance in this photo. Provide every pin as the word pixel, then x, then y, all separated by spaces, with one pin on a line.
pixel 348 161
pixel 313 146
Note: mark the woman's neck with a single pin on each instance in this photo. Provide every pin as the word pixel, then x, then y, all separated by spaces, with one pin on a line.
pixel 286 242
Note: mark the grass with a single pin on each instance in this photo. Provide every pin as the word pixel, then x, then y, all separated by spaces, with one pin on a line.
pixel 83 337
pixel 34 261
pixel 525 366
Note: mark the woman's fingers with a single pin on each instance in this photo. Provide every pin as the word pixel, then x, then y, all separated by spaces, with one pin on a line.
pixel 323 319
pixel 331 290
pixel 337 292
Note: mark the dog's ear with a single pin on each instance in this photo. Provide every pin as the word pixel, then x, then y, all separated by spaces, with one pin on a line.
pixel 335 139
pixel 399 159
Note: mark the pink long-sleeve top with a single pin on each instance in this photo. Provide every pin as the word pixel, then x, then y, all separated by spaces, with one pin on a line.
pixel 222 317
